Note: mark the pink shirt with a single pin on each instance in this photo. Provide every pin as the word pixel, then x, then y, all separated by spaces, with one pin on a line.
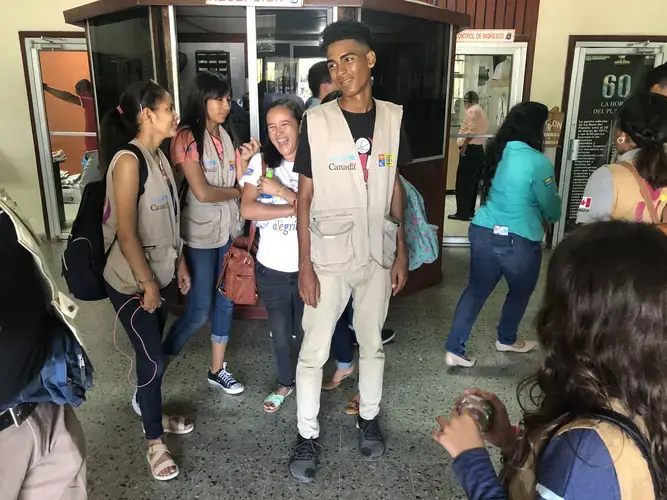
pixel 184 148
pixel 88 105
pixel 475 122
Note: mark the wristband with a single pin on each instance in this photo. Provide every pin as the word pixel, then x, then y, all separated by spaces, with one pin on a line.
pixel 152 278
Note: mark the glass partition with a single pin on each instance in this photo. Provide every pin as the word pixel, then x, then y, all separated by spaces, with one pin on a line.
pixel 411 70
pixel 122 53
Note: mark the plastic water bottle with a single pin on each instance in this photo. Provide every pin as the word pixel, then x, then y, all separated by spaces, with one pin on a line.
pixel 480 409
pixel 269 175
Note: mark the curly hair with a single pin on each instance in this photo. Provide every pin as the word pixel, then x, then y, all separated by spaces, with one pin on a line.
pixel 347 30
pixel 525 123
pixel 644 118
pixel 603 332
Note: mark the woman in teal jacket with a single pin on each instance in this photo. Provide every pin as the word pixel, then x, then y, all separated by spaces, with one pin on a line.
pixel 506 235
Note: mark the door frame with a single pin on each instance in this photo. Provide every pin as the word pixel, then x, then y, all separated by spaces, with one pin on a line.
pixel 579 48
pixel 40 133
pixel 519 53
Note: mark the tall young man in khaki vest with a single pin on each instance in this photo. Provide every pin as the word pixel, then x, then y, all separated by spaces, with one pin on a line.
pixel 351 238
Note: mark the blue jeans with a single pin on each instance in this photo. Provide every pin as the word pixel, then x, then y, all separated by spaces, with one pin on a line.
pixel 280 294
pixel 493 256
pixel 343 339
pixel 203 301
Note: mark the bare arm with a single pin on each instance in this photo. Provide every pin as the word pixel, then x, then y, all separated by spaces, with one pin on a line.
pixel 305 198
pixel 251 209
pixel 202 190
pixel 63 95
pixel 126 191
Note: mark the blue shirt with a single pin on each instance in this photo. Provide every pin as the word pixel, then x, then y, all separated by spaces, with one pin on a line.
pixel 523 193
pixel 575 466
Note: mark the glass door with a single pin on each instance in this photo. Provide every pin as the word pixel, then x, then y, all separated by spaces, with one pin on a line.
pixel 603 76
pixel 493 75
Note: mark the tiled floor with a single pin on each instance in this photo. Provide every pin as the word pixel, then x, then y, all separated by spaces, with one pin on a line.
pixel 238 452
pixel 455 227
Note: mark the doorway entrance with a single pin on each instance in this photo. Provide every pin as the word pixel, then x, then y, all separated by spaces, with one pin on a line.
pixel 495 73
pixel 603 76
pixel 64 121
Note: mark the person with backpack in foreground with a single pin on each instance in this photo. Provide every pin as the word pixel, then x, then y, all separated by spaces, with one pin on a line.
pixel 44 372
pixel 141 225
pixel 597 423
pixel 634 187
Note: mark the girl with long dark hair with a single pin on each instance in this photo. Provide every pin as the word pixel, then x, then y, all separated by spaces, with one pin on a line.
pixel 635 186
pixel 141 225
pixel 520 198
pixel 270 201
pixel 204 151
pixel 594 422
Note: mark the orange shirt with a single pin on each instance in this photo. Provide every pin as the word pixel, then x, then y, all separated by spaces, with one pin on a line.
pixel 184 148
pixel 475 122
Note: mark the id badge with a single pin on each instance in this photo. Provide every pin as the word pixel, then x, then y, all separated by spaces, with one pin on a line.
pixel 501 230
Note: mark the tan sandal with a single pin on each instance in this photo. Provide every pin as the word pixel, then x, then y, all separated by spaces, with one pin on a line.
pixel 333 384
pixel 155 453
pixel 352 407
pixel 176 425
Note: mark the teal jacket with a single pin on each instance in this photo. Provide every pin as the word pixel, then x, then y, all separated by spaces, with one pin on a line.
pixel 523 193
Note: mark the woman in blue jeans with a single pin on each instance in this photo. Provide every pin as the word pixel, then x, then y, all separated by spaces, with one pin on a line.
pixel 520 199
pixel 203 150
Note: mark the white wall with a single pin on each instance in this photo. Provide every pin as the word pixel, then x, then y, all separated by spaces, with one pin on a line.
pixel 558 19
pixel 18 168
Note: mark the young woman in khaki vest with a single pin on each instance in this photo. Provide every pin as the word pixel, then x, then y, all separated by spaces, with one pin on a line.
pixel 623 189
pixel 203 150
pixel 603 333
pixel 271 202
pixel 142 234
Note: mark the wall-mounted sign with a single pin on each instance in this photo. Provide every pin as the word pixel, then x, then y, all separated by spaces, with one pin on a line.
pixel 481 36
pixel 553 128
pixel 257 3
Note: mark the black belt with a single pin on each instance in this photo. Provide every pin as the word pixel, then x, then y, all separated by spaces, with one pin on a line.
pixel 16 415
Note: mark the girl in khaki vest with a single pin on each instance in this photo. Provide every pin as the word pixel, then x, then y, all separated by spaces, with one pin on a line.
pixel 604 338
pixel 203 150
pixel 635 187
pixel 141 233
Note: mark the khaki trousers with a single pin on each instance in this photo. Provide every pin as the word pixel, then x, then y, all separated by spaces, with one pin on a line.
pixel 45 457
pixel 370 288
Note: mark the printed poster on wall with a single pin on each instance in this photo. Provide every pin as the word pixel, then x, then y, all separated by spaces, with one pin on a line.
pixel 608 80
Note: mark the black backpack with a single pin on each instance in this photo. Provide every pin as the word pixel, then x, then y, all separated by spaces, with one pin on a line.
pixel 84 257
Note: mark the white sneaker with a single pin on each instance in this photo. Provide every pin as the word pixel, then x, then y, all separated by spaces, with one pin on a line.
pixel 454 360
pixel 135 404
pixel 528 346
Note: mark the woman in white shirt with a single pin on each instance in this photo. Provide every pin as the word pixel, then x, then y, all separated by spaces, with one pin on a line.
pixel 271 203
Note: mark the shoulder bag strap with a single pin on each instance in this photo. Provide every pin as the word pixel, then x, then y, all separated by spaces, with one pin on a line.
pixel 643 189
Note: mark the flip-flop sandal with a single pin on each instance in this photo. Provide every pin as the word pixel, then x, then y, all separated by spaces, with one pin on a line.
pixel 176 425
pixel 155 453
pixel 335 384
pixel 352 407
pixel 276 400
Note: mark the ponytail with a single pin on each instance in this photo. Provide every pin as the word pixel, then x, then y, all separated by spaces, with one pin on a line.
pixel 121 124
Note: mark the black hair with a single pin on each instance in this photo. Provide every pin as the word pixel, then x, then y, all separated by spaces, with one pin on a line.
pixel 208 85
pixel 524 123
pixel 121 124
pixel 644 118
pixel 272 156
pixel 602 330
pixel 347 30
pixel 657 76
pixel 84 83
pixel 471 97
pixel 332 96
pixel 317 75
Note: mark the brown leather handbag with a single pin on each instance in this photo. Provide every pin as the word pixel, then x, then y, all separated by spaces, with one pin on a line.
pixel 237 279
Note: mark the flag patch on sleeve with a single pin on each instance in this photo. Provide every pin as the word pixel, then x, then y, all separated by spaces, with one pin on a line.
pixel 548 180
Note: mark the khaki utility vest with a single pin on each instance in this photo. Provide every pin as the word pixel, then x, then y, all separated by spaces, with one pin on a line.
pixel 634 477
pixel 627 196
pixel 350 221
pixel 157 223
pixel 210 225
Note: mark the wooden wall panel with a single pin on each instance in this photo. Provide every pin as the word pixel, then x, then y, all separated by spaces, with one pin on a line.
pixel 520 15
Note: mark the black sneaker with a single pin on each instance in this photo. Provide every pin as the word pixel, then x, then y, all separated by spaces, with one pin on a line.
pixel 388 336
pixel 304 460
pixel 226 381
pixel 371 440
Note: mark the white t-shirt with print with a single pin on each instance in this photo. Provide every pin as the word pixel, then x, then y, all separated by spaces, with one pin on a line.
pixel 278 247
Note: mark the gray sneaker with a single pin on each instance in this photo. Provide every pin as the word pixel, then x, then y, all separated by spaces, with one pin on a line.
pixel 371 440
pixel 304 460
